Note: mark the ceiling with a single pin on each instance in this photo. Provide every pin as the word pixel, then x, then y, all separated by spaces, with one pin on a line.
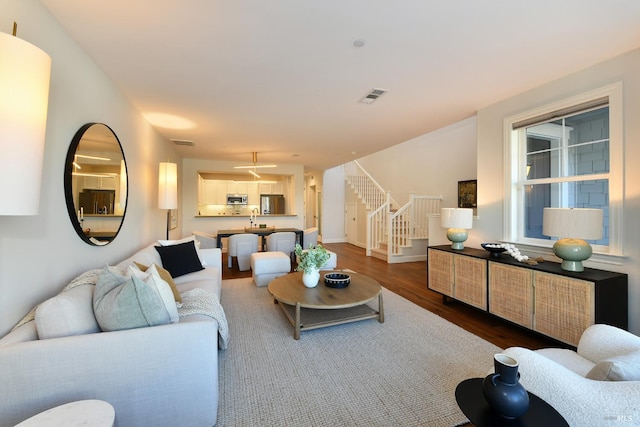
pixel 284 77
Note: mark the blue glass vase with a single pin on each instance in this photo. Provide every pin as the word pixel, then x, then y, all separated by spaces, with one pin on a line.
pixel 506 396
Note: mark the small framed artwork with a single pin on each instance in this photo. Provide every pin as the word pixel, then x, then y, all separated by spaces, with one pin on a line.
pixel 468 194
pixel 173 219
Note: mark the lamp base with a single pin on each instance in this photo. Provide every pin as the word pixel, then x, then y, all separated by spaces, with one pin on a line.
pixel 572 252
pixel 457 236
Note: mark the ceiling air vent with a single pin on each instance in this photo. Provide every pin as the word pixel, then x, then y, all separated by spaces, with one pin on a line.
pixel 373 95
pixel 184 142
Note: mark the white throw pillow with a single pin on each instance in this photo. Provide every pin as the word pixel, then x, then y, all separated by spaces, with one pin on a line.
pixel 152 278
pixel 183 240
pixel 68 313
pixel 619 368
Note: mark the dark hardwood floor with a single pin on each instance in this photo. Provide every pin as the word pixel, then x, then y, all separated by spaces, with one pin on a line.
pixel 410 281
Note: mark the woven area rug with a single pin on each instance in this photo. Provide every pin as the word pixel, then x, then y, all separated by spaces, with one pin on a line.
pixel 402 372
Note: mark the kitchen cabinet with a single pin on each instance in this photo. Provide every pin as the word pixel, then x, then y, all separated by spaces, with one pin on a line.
pixel 544 298
pixel 99 183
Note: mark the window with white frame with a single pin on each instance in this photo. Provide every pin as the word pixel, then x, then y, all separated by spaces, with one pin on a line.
pixel 568 155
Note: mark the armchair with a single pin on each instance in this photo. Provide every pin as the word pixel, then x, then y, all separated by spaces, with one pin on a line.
pixel 586 386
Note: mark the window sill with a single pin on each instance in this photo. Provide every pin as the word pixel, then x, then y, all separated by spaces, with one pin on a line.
pixel 600 260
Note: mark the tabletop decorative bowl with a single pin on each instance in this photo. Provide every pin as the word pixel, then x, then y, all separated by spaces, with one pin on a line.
pixel 337 280
pixel 495 249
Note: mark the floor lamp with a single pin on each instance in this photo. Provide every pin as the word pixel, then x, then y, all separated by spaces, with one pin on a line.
pixel 168 190
pixel 24 85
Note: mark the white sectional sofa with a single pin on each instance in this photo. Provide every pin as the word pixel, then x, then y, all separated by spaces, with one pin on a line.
pixel 164 375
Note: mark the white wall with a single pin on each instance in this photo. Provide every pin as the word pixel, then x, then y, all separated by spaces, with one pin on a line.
pixel 40 254
pixel 625 68
pixel 333 205
pixel 210 225
pixel 428 165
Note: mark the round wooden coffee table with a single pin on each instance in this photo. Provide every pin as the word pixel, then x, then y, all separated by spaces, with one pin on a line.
pixel 322 306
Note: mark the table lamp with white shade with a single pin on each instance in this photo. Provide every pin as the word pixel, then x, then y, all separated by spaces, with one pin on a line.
pixel 573 226
pixel 457 221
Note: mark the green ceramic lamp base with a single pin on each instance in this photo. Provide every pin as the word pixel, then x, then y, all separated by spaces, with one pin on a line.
pixel 572 252
pixel 457 236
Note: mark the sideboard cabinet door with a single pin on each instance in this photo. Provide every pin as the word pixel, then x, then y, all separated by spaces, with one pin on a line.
pixel 511 293
pixel 440 272
pixel 470 280
pixel 564 307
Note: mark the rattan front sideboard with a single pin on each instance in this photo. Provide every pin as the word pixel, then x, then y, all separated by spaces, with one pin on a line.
pixel 543 298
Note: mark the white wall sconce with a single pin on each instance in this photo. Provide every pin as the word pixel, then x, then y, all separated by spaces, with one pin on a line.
pixel 573 226
pixel 25 72
pixel 168 190
pixel 457 221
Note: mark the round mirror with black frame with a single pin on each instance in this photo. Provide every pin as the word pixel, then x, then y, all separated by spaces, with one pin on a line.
pixel 95 184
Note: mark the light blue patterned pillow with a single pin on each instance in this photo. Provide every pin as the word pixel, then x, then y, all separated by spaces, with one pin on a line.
pixel 124 302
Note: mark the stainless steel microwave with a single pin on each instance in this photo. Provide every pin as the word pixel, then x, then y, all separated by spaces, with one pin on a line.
pixel 237 199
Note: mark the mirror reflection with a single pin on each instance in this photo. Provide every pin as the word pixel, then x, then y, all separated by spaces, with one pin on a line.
pixel 96 183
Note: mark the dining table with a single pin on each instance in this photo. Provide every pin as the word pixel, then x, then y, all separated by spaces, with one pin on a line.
pixel 261 231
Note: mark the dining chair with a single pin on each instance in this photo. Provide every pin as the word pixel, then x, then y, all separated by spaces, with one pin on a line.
pixel 242 246
pixel 283 241
pixel 310 237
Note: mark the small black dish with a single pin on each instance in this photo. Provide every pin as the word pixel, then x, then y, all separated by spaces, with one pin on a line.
pixel 337 280
pixel 493 248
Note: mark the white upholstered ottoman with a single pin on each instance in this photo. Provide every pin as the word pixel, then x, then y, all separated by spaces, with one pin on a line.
pixel 332 263
pixel 266 266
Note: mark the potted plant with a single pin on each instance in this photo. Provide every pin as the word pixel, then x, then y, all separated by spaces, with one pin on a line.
pixel 309 262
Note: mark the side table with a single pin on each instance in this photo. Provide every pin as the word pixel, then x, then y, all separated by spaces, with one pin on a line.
pixel 473 404
pixel 90 413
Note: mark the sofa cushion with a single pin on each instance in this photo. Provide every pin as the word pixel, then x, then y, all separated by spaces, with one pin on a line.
pixel 121 302
pixel 164 275
pixel 180 259
pixel 146 256
pixel 68 313
pixel 619 368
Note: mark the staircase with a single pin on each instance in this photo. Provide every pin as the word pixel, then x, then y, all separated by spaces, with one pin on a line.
pixel 394 235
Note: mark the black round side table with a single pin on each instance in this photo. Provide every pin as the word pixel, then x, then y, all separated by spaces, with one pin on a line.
pixel 473 404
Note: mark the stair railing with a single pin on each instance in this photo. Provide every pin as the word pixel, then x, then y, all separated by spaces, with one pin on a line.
pixel 377 226
pixel 411 221
pixel 366 187
pixel 384 225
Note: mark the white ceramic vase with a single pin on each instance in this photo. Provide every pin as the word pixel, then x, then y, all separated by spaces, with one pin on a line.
pixel 311 278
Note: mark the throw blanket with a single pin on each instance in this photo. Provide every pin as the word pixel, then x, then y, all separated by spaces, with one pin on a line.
pixel 205 302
